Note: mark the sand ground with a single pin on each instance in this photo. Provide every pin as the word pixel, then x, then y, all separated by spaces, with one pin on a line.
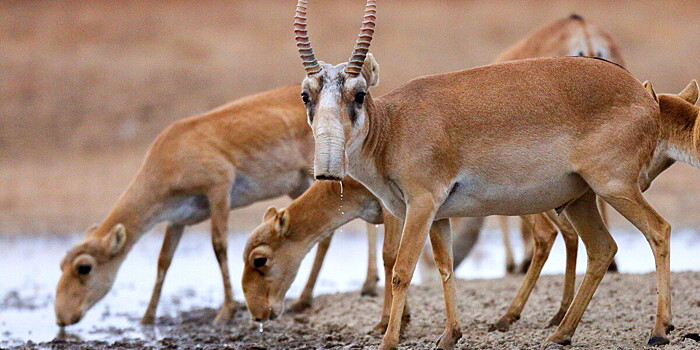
pixel 619 317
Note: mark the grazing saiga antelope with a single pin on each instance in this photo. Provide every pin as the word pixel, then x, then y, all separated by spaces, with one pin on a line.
pixel 275 249
pixel 253 149
pixel 514 138
pixel 568 36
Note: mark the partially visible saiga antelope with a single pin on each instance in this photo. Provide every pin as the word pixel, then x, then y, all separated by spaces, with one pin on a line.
pixel 253 149
pixel 275 249
pixel 569 36
pixel 514 138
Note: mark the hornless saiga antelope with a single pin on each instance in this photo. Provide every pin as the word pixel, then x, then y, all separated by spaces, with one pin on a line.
pixel 318 220
pixel 568 36
pixel 253 149
pixel 514 138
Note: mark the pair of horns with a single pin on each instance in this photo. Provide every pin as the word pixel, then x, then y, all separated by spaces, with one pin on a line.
pixel 359 53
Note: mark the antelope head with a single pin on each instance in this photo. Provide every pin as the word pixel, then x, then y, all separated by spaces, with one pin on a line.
pixel 336 97
pixel 271 260
pixel 89 270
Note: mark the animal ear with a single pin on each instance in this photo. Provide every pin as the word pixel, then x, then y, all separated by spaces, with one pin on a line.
pixel 282 222
pixel 650 89
pixel 690 93
pixel 270 213
pixel 116 239
pixel 370 70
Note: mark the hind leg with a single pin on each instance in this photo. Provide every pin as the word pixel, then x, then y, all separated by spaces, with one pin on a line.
pixel 571 242
pixel 306 297
pixel 600 248
pixel 505 230
pixel 441 240
pixel 603 208
pixel 528 246
pixel 172 238
pixel 544 234
pixel 632 205
pixel 369 288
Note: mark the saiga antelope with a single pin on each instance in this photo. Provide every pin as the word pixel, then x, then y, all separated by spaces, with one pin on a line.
pixel 286 236
pixel 464 144
pixel 568 36
pixel 253 149
pixel 571 34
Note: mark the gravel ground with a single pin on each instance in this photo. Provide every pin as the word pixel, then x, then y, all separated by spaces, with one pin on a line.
pixel 619 317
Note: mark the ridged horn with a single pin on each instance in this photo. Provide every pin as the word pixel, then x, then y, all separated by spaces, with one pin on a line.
pixel 357 59
pixel 303 43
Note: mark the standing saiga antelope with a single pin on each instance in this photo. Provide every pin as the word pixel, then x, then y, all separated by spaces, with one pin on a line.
pixel 515 138
pixel 253 149
pixel 275 249
pixel 311 217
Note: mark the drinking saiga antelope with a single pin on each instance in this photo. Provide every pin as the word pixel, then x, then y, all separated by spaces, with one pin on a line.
pixel 515 138
pixel 288 235
pixel 253 149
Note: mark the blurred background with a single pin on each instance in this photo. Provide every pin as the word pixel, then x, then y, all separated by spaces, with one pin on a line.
pixel 87 85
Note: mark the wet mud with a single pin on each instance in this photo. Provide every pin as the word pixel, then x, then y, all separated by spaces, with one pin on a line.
pixel 619 317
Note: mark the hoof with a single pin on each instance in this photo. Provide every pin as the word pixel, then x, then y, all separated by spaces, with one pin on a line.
pixel 658 341
pixel 557 341
pixel 383 346
pixel 369 288
pixel 448 339
pixel 148 320
pixel 369 291
pixel 225 315
pixel 503 325
pixel 556 319
pixel 552 346
pixel 613 267
pixel 510 268
pixel 380 328
pixel 299 306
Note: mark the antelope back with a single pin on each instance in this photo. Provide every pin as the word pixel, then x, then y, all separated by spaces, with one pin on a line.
pixel 570 36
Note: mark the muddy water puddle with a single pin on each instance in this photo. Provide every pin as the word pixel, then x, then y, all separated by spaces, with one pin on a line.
pixel 30 270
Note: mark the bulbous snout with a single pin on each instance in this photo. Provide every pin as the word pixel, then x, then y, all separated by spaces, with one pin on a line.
pixel 329 156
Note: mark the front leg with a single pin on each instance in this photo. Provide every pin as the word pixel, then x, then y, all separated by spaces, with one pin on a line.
pixel 307 294
pixel 392 237
pixel 420 213
pixel 369 288
pixel 219 204
pixel 441 240
pixel 172 238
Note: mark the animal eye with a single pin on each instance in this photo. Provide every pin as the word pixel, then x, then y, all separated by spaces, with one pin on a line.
pixel 259 262
pixel 84 269
pixel 305 97
pixel 360 97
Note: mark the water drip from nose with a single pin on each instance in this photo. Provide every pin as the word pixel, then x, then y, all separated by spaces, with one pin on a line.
pixel 341 198
pixel 260 327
